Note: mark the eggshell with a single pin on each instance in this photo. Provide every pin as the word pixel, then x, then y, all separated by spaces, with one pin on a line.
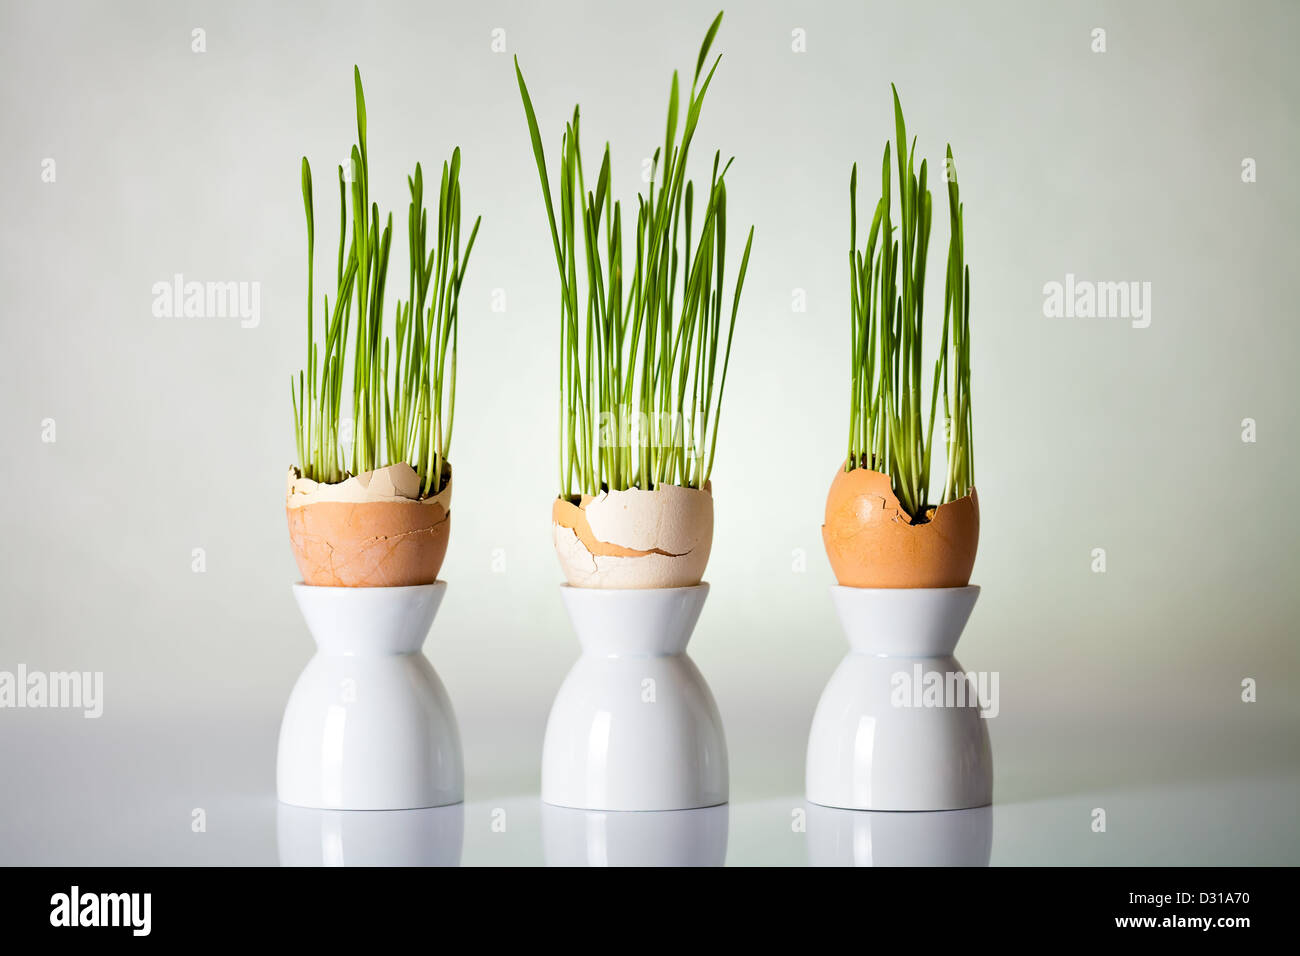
pixel 372 530
pixel 635 538
pixel 872 543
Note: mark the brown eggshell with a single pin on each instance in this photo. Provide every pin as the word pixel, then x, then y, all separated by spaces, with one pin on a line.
pixel 635 538
pixel 368 534
pixel 872 543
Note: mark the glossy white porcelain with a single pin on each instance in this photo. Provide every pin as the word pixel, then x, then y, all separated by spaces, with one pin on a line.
pixel 369 725
pixel 653 838
pixel 867 753
pixel 428 837
pixel 634 726
pixel 890 838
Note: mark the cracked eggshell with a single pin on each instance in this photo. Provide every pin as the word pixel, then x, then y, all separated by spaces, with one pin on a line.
pixel 872 543
pixel 372 530
pixel 635 538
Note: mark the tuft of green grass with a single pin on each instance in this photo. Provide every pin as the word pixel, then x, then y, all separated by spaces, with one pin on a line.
pixel 403 389
pixel 640 394
pixel 889 430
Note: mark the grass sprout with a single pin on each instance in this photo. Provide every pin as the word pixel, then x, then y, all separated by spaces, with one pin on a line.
pixel 403 389
pixel 640 394
pixel 889 428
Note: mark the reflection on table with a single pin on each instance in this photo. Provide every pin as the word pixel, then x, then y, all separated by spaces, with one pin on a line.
pixel 634 838
pixel 881 838
pixel 430 837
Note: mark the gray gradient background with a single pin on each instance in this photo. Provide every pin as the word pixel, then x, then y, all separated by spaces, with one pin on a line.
pixel 175 434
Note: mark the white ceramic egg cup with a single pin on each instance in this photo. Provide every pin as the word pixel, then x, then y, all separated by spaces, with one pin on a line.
pixel 369 725
pixel 634 726
pixel 865 751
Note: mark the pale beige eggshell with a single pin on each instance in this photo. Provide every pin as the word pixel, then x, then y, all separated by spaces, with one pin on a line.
pixel 390 483
pixel 635 538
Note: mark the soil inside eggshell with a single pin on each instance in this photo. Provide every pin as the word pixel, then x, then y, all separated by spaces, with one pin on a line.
pixel 873 543
pixel 370 530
